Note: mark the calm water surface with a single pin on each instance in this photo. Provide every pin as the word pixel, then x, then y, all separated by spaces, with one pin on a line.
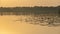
pixel 18 25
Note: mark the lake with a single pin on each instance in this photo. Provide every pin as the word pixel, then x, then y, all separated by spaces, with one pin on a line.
pixel 12 24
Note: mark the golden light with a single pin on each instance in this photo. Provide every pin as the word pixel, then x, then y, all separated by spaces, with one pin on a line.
pixel 12 3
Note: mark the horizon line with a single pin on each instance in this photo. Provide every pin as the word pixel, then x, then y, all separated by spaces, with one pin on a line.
pixel 27 6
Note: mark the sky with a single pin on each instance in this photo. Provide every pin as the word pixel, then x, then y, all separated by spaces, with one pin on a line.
pixel 14 3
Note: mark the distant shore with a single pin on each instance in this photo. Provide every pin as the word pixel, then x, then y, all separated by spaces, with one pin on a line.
pixel 36 10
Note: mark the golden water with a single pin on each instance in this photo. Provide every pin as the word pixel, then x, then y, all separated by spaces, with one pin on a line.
pixel 8 25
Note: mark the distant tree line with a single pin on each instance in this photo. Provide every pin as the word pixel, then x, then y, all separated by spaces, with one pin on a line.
pixel 30 10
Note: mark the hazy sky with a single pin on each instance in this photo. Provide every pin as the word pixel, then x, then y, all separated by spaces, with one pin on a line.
pixel 29 2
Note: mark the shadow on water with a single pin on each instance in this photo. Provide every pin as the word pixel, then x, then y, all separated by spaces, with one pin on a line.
pixel 41 20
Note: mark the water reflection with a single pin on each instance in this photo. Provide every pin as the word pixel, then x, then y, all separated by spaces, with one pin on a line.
pixel 40 20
